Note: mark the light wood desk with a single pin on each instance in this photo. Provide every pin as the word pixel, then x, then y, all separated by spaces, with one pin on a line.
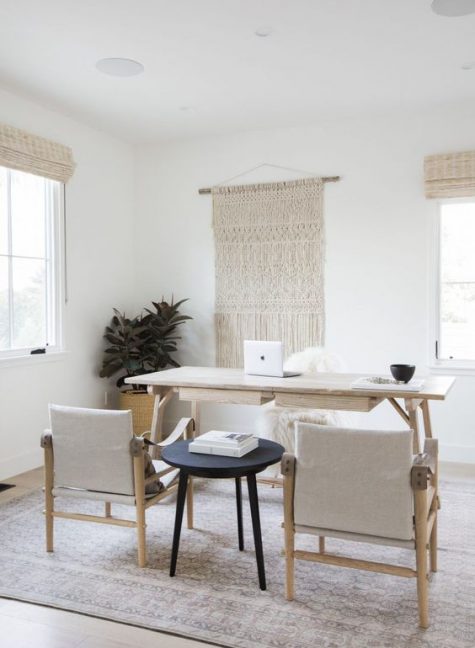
pixel 325 391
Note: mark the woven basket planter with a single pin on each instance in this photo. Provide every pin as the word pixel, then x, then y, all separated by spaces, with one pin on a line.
pixel 141 406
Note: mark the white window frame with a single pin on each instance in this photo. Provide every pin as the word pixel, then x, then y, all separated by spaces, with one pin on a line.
pixel 55 281
pixel 444 365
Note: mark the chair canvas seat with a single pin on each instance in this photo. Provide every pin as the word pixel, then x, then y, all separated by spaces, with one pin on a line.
pixel 356 537
pixel 117 498
pixel 81 493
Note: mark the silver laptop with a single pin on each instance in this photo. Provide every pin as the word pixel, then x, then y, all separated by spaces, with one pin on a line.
pixel 265 359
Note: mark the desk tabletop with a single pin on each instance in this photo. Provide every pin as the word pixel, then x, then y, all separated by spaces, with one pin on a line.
pixel 336 384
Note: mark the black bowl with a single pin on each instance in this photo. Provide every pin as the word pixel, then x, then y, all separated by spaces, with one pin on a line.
pixel 402 372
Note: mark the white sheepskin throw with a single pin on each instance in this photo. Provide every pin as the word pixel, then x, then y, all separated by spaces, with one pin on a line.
pixel 314 360
pixel 278 423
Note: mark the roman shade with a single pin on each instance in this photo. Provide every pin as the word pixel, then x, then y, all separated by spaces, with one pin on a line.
pixel 23 151
pixel 450 175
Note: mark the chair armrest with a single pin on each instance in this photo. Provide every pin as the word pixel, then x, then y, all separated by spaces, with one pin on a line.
pixel 46 439
pixel 184 429
pixel 287 464
pixel 424 465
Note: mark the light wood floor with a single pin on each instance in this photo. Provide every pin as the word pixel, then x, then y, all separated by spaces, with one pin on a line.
pixel 32 626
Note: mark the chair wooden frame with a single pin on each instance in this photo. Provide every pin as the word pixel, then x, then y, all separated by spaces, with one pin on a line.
pixel 184 429
pixel 424 476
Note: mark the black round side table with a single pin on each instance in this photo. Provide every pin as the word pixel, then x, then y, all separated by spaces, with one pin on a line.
pixel 192 464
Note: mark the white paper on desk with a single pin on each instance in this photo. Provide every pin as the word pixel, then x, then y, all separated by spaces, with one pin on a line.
pixel 365 383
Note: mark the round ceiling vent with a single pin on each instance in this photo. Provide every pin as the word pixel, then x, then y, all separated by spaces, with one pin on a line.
pixel 119 67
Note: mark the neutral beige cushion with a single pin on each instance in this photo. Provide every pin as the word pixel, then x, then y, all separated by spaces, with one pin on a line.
pixel 92 449
pixel 355 537
pixel 355 481
pixel 79 493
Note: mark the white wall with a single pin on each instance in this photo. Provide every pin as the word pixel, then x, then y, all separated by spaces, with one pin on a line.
pixel 100 276
pixel 377 242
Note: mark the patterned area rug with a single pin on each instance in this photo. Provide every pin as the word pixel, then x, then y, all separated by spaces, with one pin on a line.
pixel 215 596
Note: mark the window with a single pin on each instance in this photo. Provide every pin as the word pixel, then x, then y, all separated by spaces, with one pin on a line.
pixel 30 247
pixel 456 290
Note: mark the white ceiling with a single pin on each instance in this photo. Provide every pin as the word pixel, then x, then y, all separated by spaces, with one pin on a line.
pixel 323 58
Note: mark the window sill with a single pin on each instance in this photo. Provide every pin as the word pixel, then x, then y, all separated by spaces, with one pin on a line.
pixel 455 368
pixel 31 360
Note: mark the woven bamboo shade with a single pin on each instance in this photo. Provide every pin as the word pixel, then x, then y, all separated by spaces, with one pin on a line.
pixel 23 151
pixel 451 175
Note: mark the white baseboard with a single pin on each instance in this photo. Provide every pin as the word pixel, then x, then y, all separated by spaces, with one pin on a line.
pixel 20 463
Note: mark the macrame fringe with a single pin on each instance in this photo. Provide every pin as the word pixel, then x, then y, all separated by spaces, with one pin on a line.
pixel 296 330
pixel 269 266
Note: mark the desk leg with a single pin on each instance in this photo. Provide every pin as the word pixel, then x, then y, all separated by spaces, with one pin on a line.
pixel 411 407
pixel 426 419
pixel 239 513
pixel 156 428
pixel 180 505
pixel 256 527
pixel 195 415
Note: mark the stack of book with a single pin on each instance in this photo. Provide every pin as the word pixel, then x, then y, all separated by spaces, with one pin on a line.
pixel 227 444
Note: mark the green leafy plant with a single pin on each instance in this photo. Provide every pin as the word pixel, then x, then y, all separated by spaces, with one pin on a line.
pixel 142 344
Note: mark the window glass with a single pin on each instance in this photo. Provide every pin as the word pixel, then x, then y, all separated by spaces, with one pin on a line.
pixel 457 281
pixel 3 211
pixel 28 214
pixel 29 265
pixel 29 303
pixel 4 305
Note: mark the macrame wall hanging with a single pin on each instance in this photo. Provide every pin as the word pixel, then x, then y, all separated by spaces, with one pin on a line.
pixel 269 266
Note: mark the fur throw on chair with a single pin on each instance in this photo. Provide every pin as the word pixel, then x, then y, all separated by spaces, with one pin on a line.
pixel 278 423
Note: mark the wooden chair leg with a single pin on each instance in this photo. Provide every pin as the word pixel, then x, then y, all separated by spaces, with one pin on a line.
pixel 321 544
pixel 289 564
pixel 49 527
pixel 142 550
pixel 433 545
pixel 49 499
pixel 420 501
pixel 288 472
pixel 107 509
pixel 190 434
pixel 139 479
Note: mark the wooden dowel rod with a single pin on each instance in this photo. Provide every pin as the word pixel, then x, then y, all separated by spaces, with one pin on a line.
pixel 94 518
pixel 207 190
pixel 343 561
pixel 430 523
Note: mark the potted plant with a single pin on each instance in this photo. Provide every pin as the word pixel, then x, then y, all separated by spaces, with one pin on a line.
pixel 143 344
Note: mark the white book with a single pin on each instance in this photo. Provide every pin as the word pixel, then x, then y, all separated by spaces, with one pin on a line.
pixel 201 448
pixel 387 384
pixel 224 439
